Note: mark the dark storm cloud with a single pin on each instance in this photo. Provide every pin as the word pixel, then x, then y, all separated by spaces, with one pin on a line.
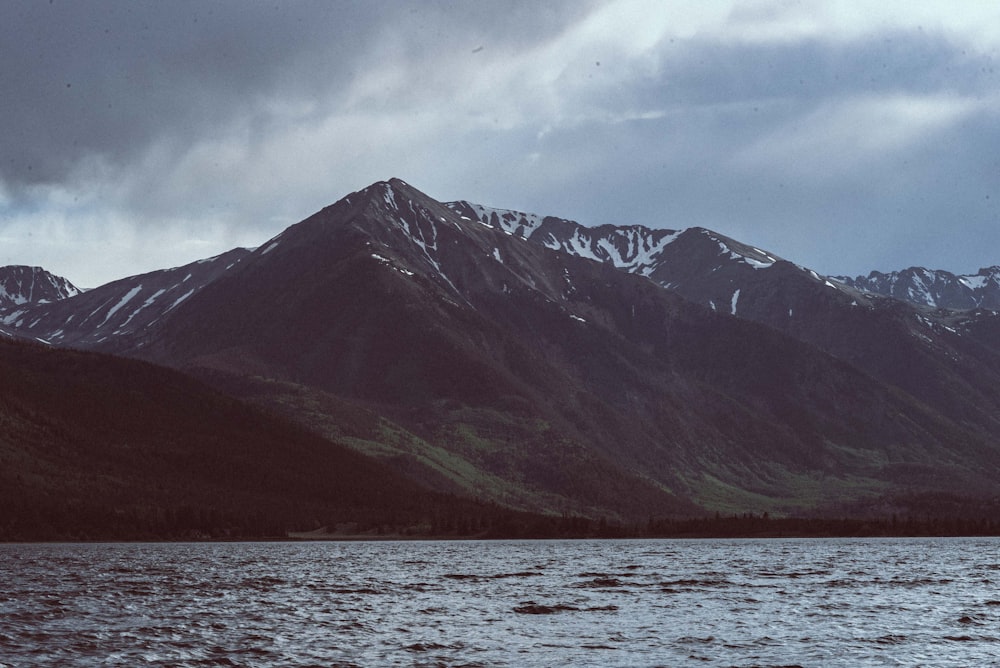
pixel 105 80
pixel 837 140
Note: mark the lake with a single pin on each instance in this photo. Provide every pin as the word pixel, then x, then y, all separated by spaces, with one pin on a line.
pixel 778 602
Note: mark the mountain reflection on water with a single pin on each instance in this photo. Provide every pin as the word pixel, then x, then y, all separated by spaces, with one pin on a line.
pixel 809 602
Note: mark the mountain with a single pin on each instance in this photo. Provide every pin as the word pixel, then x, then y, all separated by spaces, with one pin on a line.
pixel 115 316
pixel 32 285
pixel 701 265
pixel 546 366
pixel 935 288
pixel 94 446
pixel 923 350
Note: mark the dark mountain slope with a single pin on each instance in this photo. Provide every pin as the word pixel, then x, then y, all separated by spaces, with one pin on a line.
pixel 549 381
pixel 540 364
pixel 915 347
pixel 324 314
pixel 100 447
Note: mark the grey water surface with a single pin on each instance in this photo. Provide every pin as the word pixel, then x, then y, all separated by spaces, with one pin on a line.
pixel 807 602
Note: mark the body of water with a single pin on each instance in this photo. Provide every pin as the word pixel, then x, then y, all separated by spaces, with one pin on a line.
pixel 809 602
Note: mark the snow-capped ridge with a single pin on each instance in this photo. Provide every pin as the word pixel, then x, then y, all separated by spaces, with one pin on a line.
pixel 633 247
pixel 935 288
pixel 416 237
pixel 513 222
pixel 123 307
pixel 735 250
pixel 20 285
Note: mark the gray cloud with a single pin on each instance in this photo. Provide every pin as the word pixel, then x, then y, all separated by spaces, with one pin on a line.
pixel 105 80
pixel 136 127
pixel 874 153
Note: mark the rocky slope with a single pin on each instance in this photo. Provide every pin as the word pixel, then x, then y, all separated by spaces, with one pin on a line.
pixel 554 382
pixel 547 366
pixel 920 346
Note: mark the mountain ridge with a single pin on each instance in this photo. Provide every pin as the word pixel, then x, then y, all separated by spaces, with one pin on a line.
pixel 935 288
pixel 907 344
pixel 543 365
pixel 100 447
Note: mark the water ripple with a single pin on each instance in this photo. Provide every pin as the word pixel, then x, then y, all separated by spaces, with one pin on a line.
pixel 839 602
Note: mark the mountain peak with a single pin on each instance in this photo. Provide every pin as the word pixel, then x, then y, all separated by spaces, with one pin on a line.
pixel 21 284
pixel 524 356
pixel 381 198
pixel 391 187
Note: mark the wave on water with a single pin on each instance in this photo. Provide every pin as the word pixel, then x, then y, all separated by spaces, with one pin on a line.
pixel 837 602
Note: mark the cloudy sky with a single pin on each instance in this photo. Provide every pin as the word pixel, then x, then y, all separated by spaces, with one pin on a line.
pixel 846 135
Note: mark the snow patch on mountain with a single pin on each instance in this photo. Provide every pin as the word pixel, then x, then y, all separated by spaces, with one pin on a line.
pixel 146 304
pixel 515 223
pixel 637 249
pixel 124 300
pixel 389 196
pixel 179 300
pixel 580 244
pixel 13 318
pixel 389 263
pixel 733 250
pixel 974 282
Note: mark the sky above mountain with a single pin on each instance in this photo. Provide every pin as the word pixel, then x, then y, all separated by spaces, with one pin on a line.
pixel 844 135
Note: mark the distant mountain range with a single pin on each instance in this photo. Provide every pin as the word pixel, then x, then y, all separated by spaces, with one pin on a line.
pixel 32 285
pixel 937 288
pixel 542 365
